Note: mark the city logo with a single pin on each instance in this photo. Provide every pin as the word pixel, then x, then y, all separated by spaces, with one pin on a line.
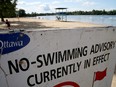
pixel 11 42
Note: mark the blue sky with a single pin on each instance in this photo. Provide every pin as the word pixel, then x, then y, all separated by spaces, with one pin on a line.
pixel 44 6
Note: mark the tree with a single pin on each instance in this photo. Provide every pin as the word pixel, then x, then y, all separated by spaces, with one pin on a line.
pixel 104 12
pixel 7 8
pixel 22 13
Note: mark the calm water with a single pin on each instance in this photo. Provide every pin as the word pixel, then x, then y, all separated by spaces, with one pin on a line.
pixel 97 19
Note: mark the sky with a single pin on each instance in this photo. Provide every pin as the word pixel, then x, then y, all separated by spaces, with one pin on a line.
pixel 48 6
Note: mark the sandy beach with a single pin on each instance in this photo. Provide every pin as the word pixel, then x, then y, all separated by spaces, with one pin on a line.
pixel 29 23
pixel 114 81
pixel 33 23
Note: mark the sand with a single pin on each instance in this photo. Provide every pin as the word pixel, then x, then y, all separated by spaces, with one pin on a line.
pixel 29 23
pixel 34 23
pixel 114 81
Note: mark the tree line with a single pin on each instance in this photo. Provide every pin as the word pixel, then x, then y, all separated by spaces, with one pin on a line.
pixel 93 12
pixel 8 9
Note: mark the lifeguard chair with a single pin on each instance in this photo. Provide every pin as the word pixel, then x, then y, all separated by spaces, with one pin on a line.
pixel 61 14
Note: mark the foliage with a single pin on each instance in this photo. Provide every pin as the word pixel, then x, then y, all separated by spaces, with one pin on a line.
pixel 33 14
pixel 21 13
pixel 7 8
pixel 93 12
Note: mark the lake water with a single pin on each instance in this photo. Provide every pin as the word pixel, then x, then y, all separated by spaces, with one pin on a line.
pixel 109 20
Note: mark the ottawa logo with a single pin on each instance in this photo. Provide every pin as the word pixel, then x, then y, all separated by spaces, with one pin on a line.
pixel 12 42
pixel 67 83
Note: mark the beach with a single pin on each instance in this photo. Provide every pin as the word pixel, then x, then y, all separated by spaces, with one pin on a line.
pixel 114 81
pixel 34 23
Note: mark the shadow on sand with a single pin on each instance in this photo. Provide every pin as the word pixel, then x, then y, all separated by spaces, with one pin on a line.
pixel 25 25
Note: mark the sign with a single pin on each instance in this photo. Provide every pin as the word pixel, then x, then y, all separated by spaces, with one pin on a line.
pixel 58 58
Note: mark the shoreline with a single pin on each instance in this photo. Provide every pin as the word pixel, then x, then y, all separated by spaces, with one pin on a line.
pixel 33 23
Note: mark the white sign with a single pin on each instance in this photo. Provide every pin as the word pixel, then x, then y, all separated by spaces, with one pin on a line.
pixel 58 58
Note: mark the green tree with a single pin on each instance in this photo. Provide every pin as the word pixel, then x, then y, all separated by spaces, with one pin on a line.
pixel 22 13
pixel 104 12
pixel 7 8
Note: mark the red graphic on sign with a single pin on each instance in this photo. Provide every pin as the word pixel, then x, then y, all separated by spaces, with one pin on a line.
pixel 67 83
pixel 99 75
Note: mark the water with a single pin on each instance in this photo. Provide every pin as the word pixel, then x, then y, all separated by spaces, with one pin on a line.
pixel 109 20
pixel 97 19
